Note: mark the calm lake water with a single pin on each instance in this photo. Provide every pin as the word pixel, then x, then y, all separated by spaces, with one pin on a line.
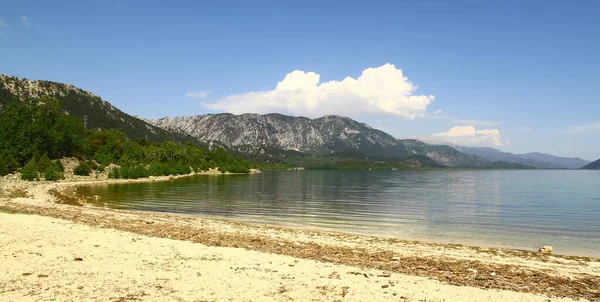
pixel 505 208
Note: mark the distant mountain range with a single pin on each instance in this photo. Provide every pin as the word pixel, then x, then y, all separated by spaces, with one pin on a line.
pixel 538 160
pixel 593 166
pixel 276 137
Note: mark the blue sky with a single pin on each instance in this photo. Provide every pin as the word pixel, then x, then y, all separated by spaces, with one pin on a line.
pixel 520 76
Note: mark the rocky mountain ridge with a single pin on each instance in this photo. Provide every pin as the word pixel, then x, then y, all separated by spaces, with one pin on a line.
pixel 273 135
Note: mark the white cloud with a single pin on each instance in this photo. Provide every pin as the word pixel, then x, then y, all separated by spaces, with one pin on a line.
pixel 3 25
pixel 469 136
pixel 26 21
pixel 583 129
pixel 198 94
pixel 437 112
pixel 383 91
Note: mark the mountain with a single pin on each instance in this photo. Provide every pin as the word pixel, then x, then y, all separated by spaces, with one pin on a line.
pixel 276 136
pixel 538 160
pixel 77 102
pixel 562 162
pixel 497 155
pixel 593 166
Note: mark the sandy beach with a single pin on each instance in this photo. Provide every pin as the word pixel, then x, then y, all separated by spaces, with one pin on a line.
pixel 52 249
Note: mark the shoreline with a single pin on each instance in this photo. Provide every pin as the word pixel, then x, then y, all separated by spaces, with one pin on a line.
pixel 454 264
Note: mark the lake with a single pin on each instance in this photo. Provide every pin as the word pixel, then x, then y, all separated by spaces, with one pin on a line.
pixel 521 209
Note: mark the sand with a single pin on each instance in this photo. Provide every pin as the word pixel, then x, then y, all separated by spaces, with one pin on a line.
pixel 52 251
pixel 44 258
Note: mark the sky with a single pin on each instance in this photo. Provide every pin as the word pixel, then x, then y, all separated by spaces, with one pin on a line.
pixel 519 76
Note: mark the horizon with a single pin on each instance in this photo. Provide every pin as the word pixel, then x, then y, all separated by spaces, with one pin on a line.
pixel 518 76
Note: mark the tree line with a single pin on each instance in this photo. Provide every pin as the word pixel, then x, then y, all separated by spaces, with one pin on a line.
pixel 35 134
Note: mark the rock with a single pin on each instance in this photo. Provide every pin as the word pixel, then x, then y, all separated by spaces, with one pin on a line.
pixel 546 249
pixel 78 259
pixel 96 197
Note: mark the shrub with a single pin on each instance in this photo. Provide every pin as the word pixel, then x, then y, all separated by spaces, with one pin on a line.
pixel 52 173
pixel 236 166
pixel 202 165
pixel 133 172
pixel 114 173
pixel 168 168
pixel 58 166
pixel 104 156
pixel 29 171
pixel 82 169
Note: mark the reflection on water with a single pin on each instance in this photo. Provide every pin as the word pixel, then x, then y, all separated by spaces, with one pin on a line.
pixel 517 209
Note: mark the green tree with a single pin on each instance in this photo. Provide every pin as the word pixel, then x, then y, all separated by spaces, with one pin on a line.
pixel 3 167
pixel 43 162
pixel 52 173
pixel 29 171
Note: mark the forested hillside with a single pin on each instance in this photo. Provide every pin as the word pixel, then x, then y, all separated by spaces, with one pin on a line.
pixel 79 103
pixel 34 132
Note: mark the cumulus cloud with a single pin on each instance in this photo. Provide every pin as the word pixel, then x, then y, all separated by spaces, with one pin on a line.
pixel 26 21
pixel 383 91
pixel 469 136
pixel 198 94
pixel 583 129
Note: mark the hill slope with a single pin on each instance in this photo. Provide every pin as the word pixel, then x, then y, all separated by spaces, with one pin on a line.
pixel 561 162
pixel 593 166
pixel 77 102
